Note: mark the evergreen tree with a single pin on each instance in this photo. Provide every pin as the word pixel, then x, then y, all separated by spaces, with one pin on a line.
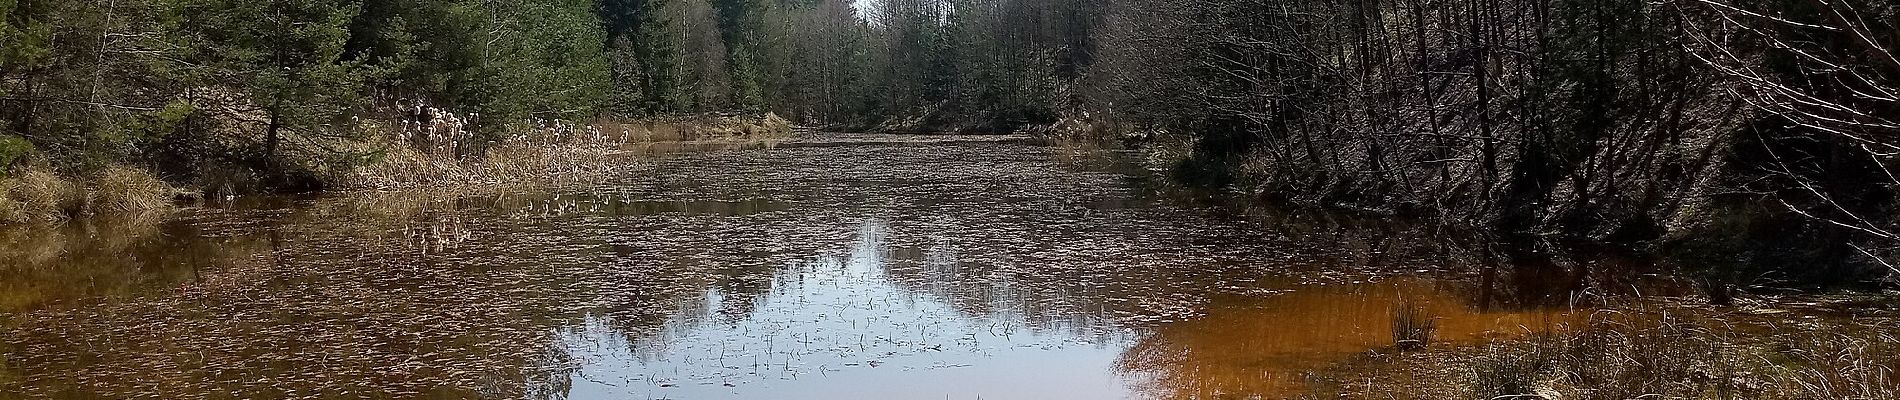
pixel 24 35
pixel 539 59
pixel 282 62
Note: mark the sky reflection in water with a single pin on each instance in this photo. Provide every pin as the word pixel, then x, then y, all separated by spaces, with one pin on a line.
pixel 839 327
pixel 999 270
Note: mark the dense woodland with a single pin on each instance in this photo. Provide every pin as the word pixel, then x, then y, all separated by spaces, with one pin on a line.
pixel 1727 132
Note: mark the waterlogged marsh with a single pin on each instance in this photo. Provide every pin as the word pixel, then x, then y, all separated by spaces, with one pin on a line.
pixel 863 268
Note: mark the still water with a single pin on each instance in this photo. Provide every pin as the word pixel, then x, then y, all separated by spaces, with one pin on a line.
pixel 865 267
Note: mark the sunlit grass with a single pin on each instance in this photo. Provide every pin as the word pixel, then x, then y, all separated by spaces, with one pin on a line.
pixel 443 152
pixel 40 195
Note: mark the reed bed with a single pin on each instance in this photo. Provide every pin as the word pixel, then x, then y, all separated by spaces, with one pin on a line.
pixel 444 152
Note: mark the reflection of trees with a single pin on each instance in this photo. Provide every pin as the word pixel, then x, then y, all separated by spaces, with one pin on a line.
pixel 1259 347
pixel 416 302
pixel 106 256
pixel 456 295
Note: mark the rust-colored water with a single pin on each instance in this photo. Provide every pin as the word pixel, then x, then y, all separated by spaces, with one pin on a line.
pixel 876 267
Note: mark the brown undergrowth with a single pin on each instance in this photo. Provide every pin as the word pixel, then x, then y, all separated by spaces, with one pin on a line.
pixel 38 195
pixel 442 152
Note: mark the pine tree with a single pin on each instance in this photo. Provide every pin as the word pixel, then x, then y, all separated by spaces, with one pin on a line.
pixel 281 61
pixel 24 35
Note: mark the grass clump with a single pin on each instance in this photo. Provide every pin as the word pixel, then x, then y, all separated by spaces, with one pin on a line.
pixel 36 195
pixel 1625 356
pixel 1612 355
pixel 122 189
pixel 1412 326
pixel 1511 373
pixel 1656 355
pixel 1837 365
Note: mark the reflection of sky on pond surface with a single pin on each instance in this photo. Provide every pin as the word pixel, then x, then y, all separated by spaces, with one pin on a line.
pixel 999 270
pixel 838 327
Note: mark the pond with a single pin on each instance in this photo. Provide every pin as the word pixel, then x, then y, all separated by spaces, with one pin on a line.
pixel 849 266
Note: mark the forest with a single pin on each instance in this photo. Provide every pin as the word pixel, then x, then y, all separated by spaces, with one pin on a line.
pixel 1757 136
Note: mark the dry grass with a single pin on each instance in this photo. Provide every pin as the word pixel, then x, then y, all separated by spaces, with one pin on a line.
pixel 39 196
pixel 1859 363
pixel 1637 354
pixel 122 189
pixel 551 152
pixel 1510 373
pixel 1412 325
pixel 1613 355
pixel 510 162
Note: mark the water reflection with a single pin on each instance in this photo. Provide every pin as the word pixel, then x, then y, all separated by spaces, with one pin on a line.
pixel 838 327
pixel 1259 347
pixel 112 256
pixel 995 269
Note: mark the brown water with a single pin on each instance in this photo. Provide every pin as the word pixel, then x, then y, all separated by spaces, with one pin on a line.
pixel 862 267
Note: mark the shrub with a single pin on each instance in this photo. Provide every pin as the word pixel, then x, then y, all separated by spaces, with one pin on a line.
pixel 13 149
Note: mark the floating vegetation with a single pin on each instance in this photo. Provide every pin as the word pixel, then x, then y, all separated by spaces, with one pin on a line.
pixel 865 267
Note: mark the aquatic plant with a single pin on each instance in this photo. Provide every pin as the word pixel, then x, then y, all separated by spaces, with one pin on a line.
pixel 1412 325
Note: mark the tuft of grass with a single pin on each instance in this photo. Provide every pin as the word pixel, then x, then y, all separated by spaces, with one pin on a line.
pixel 39 196
pixel 122 189
pixel 1637 355
pixel 1511 372
pixel 1412 325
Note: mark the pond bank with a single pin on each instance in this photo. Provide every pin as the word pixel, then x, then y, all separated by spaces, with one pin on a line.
pixel 401 155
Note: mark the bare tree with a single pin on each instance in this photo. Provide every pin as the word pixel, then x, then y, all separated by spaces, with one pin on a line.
pixel 1827 72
